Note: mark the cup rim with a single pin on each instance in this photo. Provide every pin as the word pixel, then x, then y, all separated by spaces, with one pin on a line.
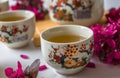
pixel 4 1
pixel 60 26
pixel 17 11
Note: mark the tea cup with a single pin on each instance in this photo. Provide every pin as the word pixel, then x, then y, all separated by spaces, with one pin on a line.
pixel 82 12
pixel 16 28
pixel 70 57
pixel 4 5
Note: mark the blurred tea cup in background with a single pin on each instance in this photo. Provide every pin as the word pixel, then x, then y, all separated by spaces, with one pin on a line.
pixel 16 28
pixel 67 48
pixel 83 12
pixel 4 5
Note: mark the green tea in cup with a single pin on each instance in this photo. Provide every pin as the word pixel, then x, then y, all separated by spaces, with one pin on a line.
pixel 67 48
pixel 65 38
pixel 12 18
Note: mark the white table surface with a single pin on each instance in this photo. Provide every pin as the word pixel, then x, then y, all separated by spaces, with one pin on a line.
pixel 9 58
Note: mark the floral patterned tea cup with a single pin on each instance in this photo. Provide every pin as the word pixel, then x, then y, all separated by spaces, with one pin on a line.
pixel 4 5
pixel 16 33
pixel 71 57
pixel 83 12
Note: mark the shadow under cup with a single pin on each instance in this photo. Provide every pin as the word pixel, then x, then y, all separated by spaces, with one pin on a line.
pixel 70 57
pixel 16 28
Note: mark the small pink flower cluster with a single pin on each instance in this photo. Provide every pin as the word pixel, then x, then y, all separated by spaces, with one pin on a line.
pixel 35 6
pixel 107 38
pixel 10 73
pixel 113 14
pixel 30 71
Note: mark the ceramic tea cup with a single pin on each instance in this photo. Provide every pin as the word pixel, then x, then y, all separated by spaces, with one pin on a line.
pixel 4 5
pixel 16 28
pixel 82 12
pixel 67 48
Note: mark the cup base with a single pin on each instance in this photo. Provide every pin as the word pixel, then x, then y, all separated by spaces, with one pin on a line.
pixel 69 73
pixel 17 46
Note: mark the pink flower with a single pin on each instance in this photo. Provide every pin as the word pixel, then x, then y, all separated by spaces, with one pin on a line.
pixel 38 15
pixel 113 14
pixel 17 6
pixel 91 65
pixel 29 72
pixel 116 55
pixel 24 56
pixel 109 59
pixel 35 6
pixel 10 73
pixel 43 67
pixel 107 38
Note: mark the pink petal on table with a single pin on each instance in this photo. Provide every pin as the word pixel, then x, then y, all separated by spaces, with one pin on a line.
pixel 19 71
pixel 9 71
pixel 91 65
pixel 24 56
pixel 43 67
pixel 14 75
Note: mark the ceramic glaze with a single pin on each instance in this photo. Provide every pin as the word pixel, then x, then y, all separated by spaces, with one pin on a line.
pixel 16 34
pixel 84 12
pixel 67 58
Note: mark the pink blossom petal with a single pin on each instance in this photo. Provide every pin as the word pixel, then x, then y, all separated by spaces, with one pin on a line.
pixel 116 55
pixel 19 71
pixel 40 16
pixel 24 56
pixel 91 65
pixel 35 6
pixel 42 68
pixel 29 8
pixel 108 59
pixel 14 75
pixel 111 43
pixel 8 71
pixel 15 7
pixel 107 38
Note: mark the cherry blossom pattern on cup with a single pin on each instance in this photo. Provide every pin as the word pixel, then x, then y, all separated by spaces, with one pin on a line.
pixel 11 33
pixel 68 56
pixel 83 12
pixel 18 31
pixel 67 10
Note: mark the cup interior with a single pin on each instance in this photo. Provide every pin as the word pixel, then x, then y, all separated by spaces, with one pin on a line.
pixel 21 13
pixel 67 29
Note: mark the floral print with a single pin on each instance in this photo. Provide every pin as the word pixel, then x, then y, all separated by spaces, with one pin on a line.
pixel 61 15
pixel 68 10
pixel 71 56
pixel 10 34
